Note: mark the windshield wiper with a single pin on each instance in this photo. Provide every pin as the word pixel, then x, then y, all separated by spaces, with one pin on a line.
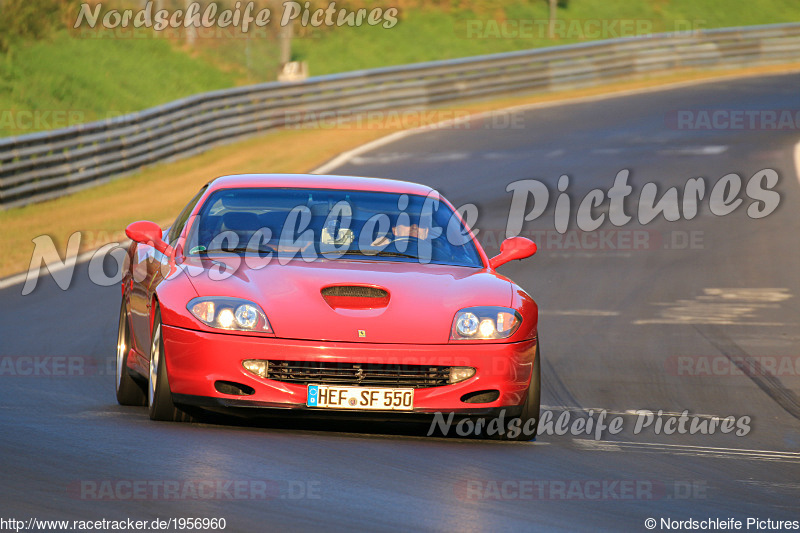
pixel 244 249
pixel 382 253
pixel 234 250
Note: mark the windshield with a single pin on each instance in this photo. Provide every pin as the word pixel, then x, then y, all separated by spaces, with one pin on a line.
pixel 331 224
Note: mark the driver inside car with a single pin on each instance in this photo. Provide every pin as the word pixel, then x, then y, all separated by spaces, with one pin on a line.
pixel 402 232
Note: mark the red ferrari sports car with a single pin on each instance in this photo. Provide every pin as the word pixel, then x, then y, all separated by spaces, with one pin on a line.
pixel 324 294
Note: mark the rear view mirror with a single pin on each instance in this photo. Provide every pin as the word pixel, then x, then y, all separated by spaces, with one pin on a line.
pixel 511 249
pixel 146 232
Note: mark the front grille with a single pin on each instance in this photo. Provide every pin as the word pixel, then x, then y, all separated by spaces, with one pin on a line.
pixel 359 374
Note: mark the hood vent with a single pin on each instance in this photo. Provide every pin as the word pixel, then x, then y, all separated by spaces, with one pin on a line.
pixel 355 297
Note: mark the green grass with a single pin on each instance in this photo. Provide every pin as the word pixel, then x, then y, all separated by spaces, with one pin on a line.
pixel 76 78
pixel 428 34
pixel 86 79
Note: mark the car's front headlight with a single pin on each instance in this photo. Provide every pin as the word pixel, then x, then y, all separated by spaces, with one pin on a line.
pixel 229 313
pixel 478 323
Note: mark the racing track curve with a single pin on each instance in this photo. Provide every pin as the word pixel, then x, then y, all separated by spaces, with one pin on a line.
pixel 612 323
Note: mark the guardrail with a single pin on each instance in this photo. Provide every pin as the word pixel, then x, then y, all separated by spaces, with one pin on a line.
pixel 49 164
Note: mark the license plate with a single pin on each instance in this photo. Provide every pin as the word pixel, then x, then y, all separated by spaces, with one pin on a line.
pixel 382 398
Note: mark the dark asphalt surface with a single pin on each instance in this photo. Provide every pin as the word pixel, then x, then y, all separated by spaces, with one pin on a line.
pixel 613 322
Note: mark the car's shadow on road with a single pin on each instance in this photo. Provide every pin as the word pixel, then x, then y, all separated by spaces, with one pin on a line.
pixel 348 424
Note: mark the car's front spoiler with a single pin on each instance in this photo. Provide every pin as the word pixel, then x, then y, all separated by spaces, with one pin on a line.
pixel 249 408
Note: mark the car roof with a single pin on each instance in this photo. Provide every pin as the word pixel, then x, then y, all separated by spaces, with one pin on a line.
pixel 319 181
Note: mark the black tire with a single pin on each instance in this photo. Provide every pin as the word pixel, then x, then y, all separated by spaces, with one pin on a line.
pixel 531 407
pixel 158 392
pixel 129 391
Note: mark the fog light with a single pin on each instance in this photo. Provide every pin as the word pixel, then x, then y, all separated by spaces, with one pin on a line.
pixel 257 367
pixel 460 373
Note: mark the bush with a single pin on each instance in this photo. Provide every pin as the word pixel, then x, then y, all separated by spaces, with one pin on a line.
pixel 32 19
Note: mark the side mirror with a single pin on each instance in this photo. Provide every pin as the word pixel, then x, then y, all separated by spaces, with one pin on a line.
pixel 511 249
pixel 146 232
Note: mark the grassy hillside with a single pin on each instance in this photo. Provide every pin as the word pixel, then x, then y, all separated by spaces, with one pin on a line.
pixel 438 33
pixel 91 79
pixel 65 77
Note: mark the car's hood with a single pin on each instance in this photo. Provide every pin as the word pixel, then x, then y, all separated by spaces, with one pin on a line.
pixel 423 299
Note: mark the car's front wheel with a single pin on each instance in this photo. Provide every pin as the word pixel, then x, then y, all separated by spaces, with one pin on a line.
pixel 129 392
pixel 529 417
pixel 159 395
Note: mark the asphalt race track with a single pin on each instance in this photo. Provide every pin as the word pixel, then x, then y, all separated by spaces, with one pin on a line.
pixel 615 322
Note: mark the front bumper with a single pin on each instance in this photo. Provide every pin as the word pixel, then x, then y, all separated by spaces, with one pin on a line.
pixel 196 360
